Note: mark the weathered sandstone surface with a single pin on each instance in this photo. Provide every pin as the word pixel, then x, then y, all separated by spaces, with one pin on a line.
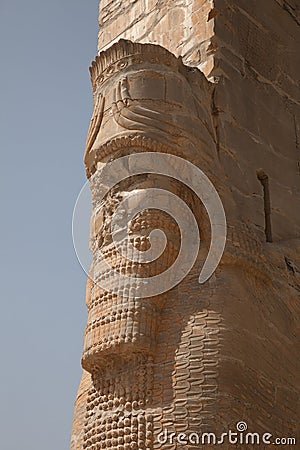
pixel 197 358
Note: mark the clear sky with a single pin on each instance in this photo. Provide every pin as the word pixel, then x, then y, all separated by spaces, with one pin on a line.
pixel 46 105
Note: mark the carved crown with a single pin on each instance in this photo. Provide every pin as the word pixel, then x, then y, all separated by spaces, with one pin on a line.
pixel 125 53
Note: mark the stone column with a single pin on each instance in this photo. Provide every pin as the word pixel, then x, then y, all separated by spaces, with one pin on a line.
pixel 197 358
pixel 146 100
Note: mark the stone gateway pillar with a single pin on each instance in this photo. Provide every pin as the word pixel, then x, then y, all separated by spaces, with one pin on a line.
pixel 208 84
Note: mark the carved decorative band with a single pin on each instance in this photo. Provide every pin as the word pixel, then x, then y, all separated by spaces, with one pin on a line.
pixel 139 140
pixel 125 53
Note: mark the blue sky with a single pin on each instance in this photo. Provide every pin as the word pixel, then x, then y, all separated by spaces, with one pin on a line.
pixel 46 105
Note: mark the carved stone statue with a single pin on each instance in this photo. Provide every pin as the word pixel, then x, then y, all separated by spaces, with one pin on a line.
pixel 197 358
pixel 144 102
